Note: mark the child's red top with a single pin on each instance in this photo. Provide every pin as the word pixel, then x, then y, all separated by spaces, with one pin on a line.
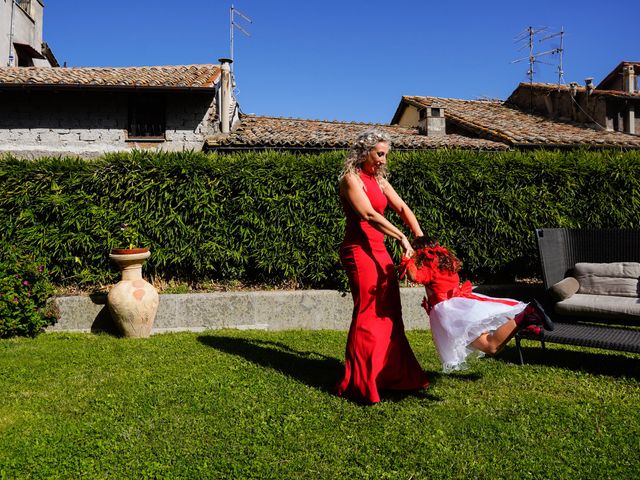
pixel 444 284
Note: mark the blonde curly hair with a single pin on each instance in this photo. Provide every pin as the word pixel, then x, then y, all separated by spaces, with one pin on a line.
pixel 360 150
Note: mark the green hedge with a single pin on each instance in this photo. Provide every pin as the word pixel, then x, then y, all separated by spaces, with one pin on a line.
pixel 275 217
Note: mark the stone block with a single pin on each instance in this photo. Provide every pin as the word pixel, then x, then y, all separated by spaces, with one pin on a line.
pixel 51 138
pixel 22 135
pixel 90 135
pixel 7 136
pixel 193 137
pixel 113 136
pixel 70 137
pixel 40 131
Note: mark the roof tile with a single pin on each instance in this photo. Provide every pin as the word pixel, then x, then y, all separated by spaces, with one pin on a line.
pixel 178 76
pixel 292 133
pixel 498 121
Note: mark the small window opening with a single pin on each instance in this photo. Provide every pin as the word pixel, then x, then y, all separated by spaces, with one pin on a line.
pixel 147 118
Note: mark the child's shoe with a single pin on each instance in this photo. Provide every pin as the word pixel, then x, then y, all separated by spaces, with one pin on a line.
pixel 546 322
pixel 531 331
pixel 534 314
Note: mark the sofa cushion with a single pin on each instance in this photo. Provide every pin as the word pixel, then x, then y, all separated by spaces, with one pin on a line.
pixel 600 306
pixel 620 278
pixel 564 288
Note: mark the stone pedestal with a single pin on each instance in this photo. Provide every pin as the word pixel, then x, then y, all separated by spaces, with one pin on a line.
pixel 133 301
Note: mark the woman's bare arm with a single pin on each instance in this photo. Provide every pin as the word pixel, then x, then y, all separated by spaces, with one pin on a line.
pixel 402 209
pixel 351 189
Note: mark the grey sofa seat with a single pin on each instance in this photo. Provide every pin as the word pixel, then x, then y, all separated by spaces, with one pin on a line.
pixel 599 306
pixel 583 316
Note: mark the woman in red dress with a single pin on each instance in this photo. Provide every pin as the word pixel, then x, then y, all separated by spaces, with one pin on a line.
pixel 378 355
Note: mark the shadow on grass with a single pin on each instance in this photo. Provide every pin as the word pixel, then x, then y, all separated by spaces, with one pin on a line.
pixel 602 362
pixel 311 368
pixel 434 378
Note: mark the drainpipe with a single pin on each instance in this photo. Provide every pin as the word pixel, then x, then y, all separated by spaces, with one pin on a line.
pixel 225 94
pixel 10 62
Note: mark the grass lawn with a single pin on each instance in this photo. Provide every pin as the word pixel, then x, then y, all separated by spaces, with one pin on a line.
pixel 254 404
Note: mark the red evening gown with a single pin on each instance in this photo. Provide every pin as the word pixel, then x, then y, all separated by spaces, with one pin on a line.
pixel 378 355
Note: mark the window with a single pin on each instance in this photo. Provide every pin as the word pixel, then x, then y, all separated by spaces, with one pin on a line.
pixel 146 118
pixel 24 61
pixel 26 54
pixel 24 5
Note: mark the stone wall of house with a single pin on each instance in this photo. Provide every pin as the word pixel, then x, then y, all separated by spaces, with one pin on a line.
pixel 88 124
pixel 559 105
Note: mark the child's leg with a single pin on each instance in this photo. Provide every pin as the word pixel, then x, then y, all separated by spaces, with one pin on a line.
pixel 531 317
pixel 491 343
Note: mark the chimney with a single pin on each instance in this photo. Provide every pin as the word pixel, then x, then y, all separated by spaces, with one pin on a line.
pixel 628 79
pixel 573 88
pixel 432 122
pixel 225 94
pixel 588 82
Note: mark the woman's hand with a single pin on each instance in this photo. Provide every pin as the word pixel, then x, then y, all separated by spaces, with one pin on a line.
pixel 407 268
pixel 407 250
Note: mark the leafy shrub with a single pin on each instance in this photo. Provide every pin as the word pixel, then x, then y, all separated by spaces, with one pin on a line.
pixel 24 290
pixel 488 205
pixel 271 217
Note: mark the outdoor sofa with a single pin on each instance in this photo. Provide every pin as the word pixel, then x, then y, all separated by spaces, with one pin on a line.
pixel 591 288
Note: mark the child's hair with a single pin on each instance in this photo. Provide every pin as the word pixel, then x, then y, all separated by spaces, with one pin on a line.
pixel 425 247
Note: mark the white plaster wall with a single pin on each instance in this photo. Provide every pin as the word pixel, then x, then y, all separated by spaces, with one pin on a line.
pixel 27 29
pixel 410 117
pixel 5 22
pixel 34 124
pixel 37 13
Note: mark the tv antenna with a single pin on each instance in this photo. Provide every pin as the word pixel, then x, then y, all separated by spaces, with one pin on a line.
pixel 529 37
pixel 233 25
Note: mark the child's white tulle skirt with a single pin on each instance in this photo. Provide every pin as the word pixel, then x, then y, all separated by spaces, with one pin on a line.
pixel 458 321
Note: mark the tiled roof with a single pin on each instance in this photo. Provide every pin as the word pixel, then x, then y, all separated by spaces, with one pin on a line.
pixel 173 77
pixel 551 87
pixel 496 121
pixel 299 134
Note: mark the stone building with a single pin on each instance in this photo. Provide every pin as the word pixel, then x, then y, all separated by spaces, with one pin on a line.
pixel 91 111
pixel 21 42
pixel 538 115
pixel 612 105
pixel 534 116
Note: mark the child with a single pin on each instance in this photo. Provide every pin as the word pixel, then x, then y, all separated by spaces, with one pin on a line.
pixel 463 323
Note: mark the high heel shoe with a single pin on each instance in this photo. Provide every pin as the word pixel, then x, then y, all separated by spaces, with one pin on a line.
pixel 546 322
pixel 534 314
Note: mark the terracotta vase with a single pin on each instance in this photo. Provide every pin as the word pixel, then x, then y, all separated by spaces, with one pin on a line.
pixel 133 302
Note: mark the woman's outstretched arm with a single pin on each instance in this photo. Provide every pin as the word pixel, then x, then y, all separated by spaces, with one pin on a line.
pixel 351 190
pixel 402 209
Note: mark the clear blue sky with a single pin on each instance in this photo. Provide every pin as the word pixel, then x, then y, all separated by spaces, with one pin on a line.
pixel 347 60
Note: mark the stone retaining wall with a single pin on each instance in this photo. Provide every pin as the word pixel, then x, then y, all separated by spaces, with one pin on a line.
pixel 266 310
